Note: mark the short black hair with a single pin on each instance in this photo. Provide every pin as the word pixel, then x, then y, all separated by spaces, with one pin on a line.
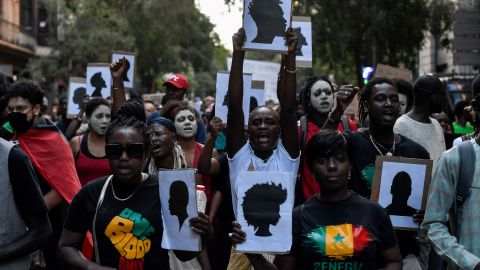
pixel 366 92
pixel 26 89
pixel 460 106
pixel 327 143
pixel 425 86
pixel 405 87
pixel 93 103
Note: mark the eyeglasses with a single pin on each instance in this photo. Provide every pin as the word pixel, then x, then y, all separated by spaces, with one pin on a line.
pixel 115 151
pixel 158 134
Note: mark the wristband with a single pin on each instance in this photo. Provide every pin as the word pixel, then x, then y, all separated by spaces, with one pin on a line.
pixel 291 71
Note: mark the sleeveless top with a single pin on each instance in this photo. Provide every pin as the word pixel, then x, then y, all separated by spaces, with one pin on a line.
pixel 12 227
pixel 88 166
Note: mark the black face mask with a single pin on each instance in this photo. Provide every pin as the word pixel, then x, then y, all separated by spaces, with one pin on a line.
pixel 19 122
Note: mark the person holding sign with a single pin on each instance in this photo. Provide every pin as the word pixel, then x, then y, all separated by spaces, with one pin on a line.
pixel 378 100
pixel 328 230
pixel 268 145
pixel 123 210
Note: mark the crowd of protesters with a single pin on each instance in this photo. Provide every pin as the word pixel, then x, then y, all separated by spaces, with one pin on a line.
pixel 67 185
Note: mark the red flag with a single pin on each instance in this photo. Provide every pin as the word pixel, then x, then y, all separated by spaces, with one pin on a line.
pixel 52 156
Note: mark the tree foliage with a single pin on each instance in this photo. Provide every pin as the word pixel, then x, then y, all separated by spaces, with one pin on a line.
pixel 351 34
pixel 166 38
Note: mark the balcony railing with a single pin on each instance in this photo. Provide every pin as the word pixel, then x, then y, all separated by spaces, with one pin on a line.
pixel 14 34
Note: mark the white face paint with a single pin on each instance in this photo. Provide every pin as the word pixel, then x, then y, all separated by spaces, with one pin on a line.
pixel 186 124
pixel 99 119
pixel 321 96
pixel 403 103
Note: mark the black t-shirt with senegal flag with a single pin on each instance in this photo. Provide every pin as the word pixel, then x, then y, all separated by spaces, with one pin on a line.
pixel 347 234
pixel 129 233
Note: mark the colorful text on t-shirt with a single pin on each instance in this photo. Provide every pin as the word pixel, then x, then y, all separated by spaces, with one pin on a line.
pixel 129 233
pixel 338 243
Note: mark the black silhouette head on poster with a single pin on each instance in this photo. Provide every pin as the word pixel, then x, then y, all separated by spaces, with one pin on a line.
pixel 78 96
pixel 301 41
pixel 225 100
pixel 253 104
pixel 177 204
pixel 268 16
pixel 401 190
pixel 125 72
pixel 99 83
pixel 261 206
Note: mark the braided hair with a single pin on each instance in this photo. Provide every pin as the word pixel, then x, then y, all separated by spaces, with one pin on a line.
pixel 306 92
pixel 366 92
pixel 130 115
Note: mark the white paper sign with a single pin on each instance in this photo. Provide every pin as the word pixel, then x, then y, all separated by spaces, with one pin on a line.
pixel 178 199
pixel 76 93
pixel 303 27
pixel 257 95
pixel 416 174
pixel 265 23
pixel 130 71
pixel 264 204
pixel 221 100
pixel 262 71
pixel 99 80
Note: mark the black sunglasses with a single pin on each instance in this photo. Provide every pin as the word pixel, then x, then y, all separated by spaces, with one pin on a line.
pixel 115 150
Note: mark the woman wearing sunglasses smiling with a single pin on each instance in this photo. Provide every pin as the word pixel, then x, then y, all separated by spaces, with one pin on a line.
pixel 123 210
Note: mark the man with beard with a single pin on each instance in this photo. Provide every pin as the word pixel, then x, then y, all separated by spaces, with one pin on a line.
pixel 317 101
pixel 378 100
pixel 49 152
pixel 417 125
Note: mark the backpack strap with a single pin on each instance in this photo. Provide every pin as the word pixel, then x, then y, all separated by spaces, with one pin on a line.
pixel 464 182
pixel 466 171
pixel 345 123
pixel 303 128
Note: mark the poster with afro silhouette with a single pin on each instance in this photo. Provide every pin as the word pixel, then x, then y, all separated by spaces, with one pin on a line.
pixel 303 27
pixel 264 204
pixel 128 75
pixel 400 185
pixel 99 80
pixel 179 205
pixel 221 98
pixel 76 93
pixel 265 23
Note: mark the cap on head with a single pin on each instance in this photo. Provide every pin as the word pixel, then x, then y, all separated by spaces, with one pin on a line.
pixel 178 80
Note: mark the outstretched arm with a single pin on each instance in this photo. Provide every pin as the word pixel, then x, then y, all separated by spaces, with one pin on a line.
pixel 206 164
pixel 118 91
pixel 288 118
pixel 235 120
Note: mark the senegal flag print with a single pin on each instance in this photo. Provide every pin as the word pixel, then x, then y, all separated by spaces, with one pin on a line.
pixel 339 242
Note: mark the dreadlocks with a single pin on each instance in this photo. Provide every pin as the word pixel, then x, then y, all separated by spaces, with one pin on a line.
pixel 130 115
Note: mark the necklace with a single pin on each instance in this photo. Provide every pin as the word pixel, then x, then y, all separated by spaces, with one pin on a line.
pixel 389 152
pixel 129 196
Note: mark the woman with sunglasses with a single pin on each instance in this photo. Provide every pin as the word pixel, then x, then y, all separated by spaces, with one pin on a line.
pixel 122 210
pixel 336 228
